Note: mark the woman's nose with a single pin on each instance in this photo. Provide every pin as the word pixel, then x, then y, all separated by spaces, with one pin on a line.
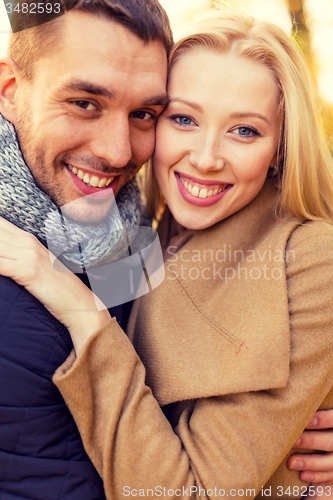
pixel 206 156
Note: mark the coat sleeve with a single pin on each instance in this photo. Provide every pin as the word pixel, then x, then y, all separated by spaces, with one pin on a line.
pixel 221 444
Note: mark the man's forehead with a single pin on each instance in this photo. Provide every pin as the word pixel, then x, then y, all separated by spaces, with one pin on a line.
pixel 100 27
pixel 100 57
pixel 102 41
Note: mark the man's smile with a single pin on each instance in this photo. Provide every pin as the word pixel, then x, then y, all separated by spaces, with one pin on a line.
pixel 93 180
pixel 96 183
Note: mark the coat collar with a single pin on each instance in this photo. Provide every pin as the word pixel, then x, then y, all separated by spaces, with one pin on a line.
pixel 219 322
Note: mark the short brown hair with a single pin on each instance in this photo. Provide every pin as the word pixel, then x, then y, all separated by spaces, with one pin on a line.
pixel 34 34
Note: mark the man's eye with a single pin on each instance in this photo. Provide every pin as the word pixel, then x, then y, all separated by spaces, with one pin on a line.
pixel 141 115
pixel 246 132
pixel 89 106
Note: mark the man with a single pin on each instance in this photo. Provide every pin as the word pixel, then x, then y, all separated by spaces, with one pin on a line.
pixel 83 93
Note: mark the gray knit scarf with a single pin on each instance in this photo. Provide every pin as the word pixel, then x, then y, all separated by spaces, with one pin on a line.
pixel 29 208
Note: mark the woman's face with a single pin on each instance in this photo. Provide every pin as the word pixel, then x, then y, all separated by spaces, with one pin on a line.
pixel 217 138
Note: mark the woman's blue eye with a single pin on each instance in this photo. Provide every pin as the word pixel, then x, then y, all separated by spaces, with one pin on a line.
pixel 246 132
pixel 183 120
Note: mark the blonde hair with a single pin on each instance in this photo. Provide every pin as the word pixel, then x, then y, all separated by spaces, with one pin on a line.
pixel 304 163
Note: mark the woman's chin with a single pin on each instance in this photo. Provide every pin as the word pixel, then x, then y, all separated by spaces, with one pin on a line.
pixel 190 221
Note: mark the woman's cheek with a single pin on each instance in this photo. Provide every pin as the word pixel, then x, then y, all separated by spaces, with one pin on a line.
pixel 254 168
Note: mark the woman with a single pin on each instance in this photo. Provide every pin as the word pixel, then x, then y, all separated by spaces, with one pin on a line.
pixel 236 341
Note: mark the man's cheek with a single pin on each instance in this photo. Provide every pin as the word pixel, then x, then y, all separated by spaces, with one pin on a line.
pixel 147 146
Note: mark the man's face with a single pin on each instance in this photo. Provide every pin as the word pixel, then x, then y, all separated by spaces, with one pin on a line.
pixel 86 123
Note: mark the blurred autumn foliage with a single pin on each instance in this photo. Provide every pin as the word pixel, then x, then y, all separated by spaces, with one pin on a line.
pixel 303 36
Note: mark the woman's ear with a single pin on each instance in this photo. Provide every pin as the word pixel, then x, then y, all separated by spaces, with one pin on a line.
pixel 8 87
pixel 274 168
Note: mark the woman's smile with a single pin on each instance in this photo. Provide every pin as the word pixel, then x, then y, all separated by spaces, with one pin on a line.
pixel 217 138
pixel 200 192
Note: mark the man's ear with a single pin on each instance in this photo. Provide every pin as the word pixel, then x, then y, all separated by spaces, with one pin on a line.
pixel 8 87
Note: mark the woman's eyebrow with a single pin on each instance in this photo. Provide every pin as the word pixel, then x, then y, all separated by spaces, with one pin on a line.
pixel 250 114
pixel 188 103
pixel 233 115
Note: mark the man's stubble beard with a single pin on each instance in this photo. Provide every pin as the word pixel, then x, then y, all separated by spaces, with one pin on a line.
pixel 34 158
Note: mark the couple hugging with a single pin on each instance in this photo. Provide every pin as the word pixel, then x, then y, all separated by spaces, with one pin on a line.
pixel 214 381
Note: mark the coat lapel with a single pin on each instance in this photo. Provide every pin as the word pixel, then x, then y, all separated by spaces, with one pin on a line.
pixel 219 322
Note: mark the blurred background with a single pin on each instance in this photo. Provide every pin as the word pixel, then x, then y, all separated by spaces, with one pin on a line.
pixel 311 21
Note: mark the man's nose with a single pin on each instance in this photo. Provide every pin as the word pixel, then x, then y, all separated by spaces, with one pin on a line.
pixel 112 142
pixel 206 155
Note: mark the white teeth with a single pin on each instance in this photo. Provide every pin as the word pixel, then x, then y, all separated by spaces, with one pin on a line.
pixel 94 181
pixel 200 193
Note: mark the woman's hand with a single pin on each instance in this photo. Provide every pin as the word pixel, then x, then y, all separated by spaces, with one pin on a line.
pixel 316 468
pixel 24 259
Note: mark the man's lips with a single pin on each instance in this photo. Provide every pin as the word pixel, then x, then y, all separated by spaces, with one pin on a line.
pixel 89 182
pixel 94 179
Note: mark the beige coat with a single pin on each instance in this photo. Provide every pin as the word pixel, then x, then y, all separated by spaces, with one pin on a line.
pixel 238 353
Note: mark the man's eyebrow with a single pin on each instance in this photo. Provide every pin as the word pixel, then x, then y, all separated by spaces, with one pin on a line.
pixel 158 100
pixel 188 103
pixel 246 115
pixel 90 88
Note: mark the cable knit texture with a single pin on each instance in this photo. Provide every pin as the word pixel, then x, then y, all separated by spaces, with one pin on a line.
pixel 24 204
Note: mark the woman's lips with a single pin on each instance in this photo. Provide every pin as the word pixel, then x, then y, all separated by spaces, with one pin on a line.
pixel 97 184
pixel 201 193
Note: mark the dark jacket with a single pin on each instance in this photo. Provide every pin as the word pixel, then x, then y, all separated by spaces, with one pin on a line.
pixel 41 452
